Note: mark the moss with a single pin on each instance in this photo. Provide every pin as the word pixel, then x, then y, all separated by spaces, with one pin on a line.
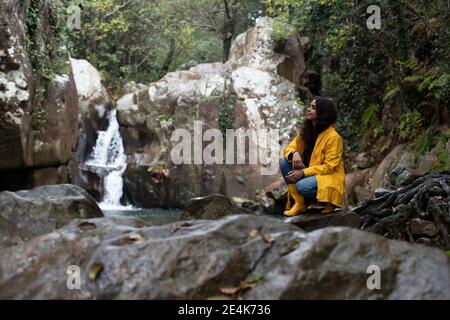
pixel 46 55
pixel 443 157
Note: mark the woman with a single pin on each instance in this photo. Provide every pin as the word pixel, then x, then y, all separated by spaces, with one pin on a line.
pixel 313 167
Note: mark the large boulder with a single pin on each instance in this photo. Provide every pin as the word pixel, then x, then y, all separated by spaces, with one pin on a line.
pixel 310 221
pixel 38 107
pixel 245 92
pixel 30 213
pixel 254 257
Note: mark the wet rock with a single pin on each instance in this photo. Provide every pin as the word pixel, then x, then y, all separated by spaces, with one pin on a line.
pixel 214 206
pixel 312 221
pixel 31 213
pixel 256 256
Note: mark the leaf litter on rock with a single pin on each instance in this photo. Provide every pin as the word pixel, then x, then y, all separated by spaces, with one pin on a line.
pixel 94 270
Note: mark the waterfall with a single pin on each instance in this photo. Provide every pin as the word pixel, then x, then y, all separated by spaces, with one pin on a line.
pixel 108 159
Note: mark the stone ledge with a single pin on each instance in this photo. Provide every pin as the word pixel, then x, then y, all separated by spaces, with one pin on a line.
pixel 310 221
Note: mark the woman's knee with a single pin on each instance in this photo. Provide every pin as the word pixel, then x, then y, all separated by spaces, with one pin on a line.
pixel 285 167
pixel 305 188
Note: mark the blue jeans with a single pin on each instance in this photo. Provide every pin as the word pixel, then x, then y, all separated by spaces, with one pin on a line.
pixel 306 187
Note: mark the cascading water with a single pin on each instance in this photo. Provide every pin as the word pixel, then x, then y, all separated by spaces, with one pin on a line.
pixel 109 160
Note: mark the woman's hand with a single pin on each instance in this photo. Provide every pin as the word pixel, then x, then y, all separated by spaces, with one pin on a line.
pixel 295 175
pixel 297 162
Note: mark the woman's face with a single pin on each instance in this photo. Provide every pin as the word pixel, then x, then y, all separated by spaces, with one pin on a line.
pixel 311 111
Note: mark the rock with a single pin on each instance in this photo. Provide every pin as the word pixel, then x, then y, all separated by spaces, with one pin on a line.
pixel 423 227
pixel 246 92
pixel 38 116
pixel 94 102
pixel 427 161
pixel 405 178
pixel 132 86
pixel 357 187
pixel 364 160
pixel 128 112
pixel 214 206
pixel 50 176
pixel 92 95
pixel 31 213
pixel 332 263
pixel 312 221
pixel 255 48
pixel 389 163
pixel 55 143
pixel 126 259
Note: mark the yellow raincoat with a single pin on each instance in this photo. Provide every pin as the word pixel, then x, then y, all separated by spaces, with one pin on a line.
pixel 326 164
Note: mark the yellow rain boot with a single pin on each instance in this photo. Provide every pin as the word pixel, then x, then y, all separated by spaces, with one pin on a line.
pixel 299 205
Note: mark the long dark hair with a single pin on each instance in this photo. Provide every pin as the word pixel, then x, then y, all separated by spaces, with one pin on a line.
pixel 326 116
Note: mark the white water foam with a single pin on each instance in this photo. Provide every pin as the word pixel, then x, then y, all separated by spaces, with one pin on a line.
pixel 109 154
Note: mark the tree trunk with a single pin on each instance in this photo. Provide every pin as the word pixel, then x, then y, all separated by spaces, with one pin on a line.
pixel 169 58
pixel 229 28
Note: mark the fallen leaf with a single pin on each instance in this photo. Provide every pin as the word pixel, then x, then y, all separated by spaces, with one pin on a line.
pixel 218 297
pixel 268 238
pixel 130 239
pixel 290 247
pixel 94 270
pixel 245 286
pixel 136 237
pixel 254 232
pixel 230 290
pixel 87 226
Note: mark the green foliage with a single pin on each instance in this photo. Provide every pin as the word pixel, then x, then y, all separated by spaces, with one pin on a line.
pixel 226 114
pixel 392 90
pixel 142 40
pixel 443 157
pixel 404 67
pixel 410 124
pixel 39 114
pixel 47 54
pixel 370 118
pixel 165 117
pixel 423 144
pixel 282 29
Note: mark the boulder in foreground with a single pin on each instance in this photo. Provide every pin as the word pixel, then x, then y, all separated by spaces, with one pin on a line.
pixel 30 213
pixel 248 256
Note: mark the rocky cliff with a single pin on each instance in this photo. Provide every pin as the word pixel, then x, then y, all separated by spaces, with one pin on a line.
pixel 38 98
